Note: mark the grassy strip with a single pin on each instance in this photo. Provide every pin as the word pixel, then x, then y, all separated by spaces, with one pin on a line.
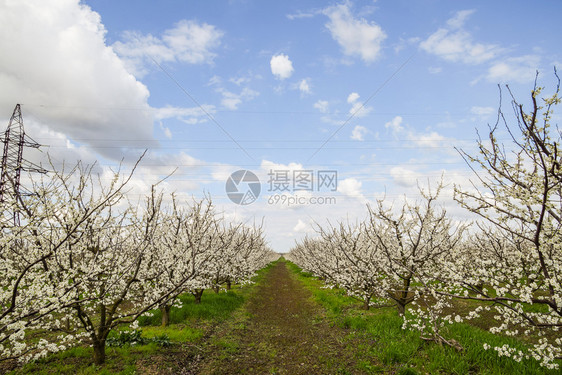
pixel 403 351
pixel 189 327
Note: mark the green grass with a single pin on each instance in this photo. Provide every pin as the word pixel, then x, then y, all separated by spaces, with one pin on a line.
pixel 78 361
pixel 403 351
pixel 188 325
pixel 213 306
pixel 175 332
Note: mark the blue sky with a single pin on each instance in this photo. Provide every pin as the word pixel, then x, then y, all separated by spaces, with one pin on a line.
pixel 211 87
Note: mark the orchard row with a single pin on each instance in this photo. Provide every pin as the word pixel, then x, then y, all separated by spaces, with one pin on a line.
pixel 508 262
pixel 85 260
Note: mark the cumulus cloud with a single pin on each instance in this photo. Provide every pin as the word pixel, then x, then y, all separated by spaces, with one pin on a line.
pixel 302 227
pixel 322 106
pixel 304 86
pixel 267 166
pixel 358 109
pixel 167 132
pixel 188 41
pixel 59 67
pixel 352 98
pixel 454 43
pixel 520 69
pixel 350 187
pixel 395 125
pixel 404 177
pixel 432 139
pixel 427 139
pixel 356 36
pixel 281 66
pixel 358 133
pixel 459 19
pixel 231 100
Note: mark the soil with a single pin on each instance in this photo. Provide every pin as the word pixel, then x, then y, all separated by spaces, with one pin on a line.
pixel 280 331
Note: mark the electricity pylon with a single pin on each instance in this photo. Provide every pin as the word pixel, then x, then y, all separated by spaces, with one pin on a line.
pixel 15 140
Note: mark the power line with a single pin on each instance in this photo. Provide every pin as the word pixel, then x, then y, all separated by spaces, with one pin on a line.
pixel 272 148
pixel 398 140
pixel 239 111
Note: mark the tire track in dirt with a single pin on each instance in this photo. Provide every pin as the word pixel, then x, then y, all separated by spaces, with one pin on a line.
pixel 280 331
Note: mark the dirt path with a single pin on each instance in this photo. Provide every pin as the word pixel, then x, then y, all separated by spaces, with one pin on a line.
pixel 281 331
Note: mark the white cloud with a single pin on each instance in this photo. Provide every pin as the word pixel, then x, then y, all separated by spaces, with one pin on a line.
pixel 453 43
pixel 322 106
pixel 404 177
pixel 281 66
pixel 191 115
pixel 215 81
pixel 221 172
pixel 300 14
pixel 520 69
pixel 302 227
pixel 239 81
pixel 231 100
pixel 352 98
pixel 395 125
pixel 356 36
pixel 358 133
pixel 460 17
pixel 304 86
pixel 166 130
pixel 432 139
pixel 59 66
pixel 482 111
pixel 188 42
pixel 267 165
pixel 358 109
pixel 192 42
pixel 350 187
pixel 407 133
pixel 403 43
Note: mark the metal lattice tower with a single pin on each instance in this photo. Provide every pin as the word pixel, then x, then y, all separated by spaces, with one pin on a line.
pixel 13 163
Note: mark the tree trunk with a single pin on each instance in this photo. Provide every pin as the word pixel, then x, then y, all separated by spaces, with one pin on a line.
pixel 99 351
pixel 401 306
pixel 165 314
pixel 99 337
pixel 366 302
pixel 197 294
pixel 404 300
pixel 228 285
